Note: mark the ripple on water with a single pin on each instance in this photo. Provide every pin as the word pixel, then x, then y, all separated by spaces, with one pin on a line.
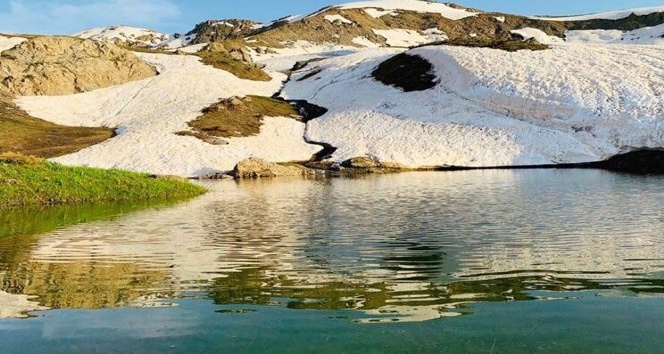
pixel 413 244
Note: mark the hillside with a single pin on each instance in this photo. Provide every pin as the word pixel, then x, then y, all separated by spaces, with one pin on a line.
pixel 378 85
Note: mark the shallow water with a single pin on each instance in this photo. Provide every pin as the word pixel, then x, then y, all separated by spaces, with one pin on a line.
pixel 484 261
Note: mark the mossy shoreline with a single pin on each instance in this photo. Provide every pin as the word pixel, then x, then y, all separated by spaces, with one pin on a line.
pixel 30 182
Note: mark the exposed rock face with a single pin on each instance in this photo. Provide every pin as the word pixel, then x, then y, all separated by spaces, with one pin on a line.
pixel 236 52
pixel 65 65
pixel 259 168
pixel 217 31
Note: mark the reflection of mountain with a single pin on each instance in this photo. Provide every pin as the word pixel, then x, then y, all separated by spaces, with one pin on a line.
pixel 414 244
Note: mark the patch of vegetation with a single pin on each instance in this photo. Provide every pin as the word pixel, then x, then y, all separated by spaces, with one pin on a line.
pixel 19 132
pixel 506 45
pixel 407 72
pixel 224 61
pixel 239 117
pixel 32 182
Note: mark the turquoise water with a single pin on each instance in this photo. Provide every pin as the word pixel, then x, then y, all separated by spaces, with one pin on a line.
pixel 477 261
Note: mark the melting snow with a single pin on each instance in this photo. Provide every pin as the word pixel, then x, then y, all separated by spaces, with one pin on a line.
pixel 334 18
pixel 538 35
pixel 611 15
pixel 149 112
pixel 10 42
pixel 412 5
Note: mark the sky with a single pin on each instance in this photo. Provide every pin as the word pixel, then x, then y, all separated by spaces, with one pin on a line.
pixel 180 16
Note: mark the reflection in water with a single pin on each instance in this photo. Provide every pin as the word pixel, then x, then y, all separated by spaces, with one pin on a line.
pixel 399 247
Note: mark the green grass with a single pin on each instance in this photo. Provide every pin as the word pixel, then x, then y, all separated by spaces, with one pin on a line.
pixel 42 183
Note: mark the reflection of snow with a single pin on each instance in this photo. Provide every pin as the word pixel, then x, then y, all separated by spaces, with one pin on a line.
pixel 362 233
pixel 17 306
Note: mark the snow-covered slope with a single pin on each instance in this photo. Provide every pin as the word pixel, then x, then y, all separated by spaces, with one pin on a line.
pixel 10 42
pixel 610 15
pixel 538 35
pixel 572 103
pixel 149 112
pixel 409 5
pixel 124 34
pixel 648 35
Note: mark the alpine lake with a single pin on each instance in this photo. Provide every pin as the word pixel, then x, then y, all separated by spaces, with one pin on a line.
pixel 495 261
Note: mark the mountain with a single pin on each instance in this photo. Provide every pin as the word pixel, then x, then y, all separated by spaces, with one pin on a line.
pixel 124 35
pixel 388 85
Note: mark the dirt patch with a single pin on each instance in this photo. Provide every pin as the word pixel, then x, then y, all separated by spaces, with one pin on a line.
pixel 407 72
pixel 21 133
pixel 239 117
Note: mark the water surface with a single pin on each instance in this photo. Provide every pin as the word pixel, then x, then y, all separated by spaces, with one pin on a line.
pixel 502 261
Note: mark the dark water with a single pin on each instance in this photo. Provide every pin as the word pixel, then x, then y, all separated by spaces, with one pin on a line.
pixel 478 261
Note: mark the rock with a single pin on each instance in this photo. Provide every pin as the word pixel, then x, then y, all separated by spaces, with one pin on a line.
pixel 259 168
pixel 216 141
pixel 361 162
pixel 66 65
pixel 235 101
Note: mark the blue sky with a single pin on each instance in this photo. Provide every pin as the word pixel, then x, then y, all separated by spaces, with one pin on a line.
pixel 169 16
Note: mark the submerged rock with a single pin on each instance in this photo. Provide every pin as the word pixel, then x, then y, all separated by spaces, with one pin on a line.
pixel 259 168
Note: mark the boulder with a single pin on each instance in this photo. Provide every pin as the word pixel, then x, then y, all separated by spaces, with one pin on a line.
pixel 259 168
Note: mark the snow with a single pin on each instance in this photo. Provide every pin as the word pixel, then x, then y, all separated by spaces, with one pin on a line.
pixel 377 13
pixel 412 5
pixel 648 36
pixel 409 38
pixel 16 306
pixel 335 18
pixel 177 43
pixel 283 59
pixel 500 19
pixel 10 42
pixel 538 35
pixel 365 42
pixel 569 104
pixel 124 34
pixel 149 112
pixel 611 15
pixel 193 48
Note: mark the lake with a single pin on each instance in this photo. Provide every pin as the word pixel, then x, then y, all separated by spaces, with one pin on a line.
pixel 512 261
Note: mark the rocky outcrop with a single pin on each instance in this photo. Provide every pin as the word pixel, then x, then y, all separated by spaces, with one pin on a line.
pixel 65 65
pixel 223 30
pixel 259 168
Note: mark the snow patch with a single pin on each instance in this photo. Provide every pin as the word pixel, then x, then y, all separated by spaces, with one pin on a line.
pixel 365 42
pixel 149 112
pixel 10 42
pixel 648 36
pixel 409 38
pixel 569 104
pixel 610 15
pixel 124 34
pixel 500 19
pixel 339 18
pixel 412 5
pixel 538 35
pixel 377 13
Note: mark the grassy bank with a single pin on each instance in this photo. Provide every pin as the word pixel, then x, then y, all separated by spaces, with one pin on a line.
pixel 26 181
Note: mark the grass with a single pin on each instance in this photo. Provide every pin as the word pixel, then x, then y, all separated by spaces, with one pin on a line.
pixel 226 120
pixel 223 61
pixel 29 181
pixel 506 45
pixel 19 132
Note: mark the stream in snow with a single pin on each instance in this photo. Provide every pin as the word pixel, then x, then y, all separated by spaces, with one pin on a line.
pixel 471 261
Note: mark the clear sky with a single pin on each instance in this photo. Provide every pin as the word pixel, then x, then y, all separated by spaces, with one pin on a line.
pixel 170 16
